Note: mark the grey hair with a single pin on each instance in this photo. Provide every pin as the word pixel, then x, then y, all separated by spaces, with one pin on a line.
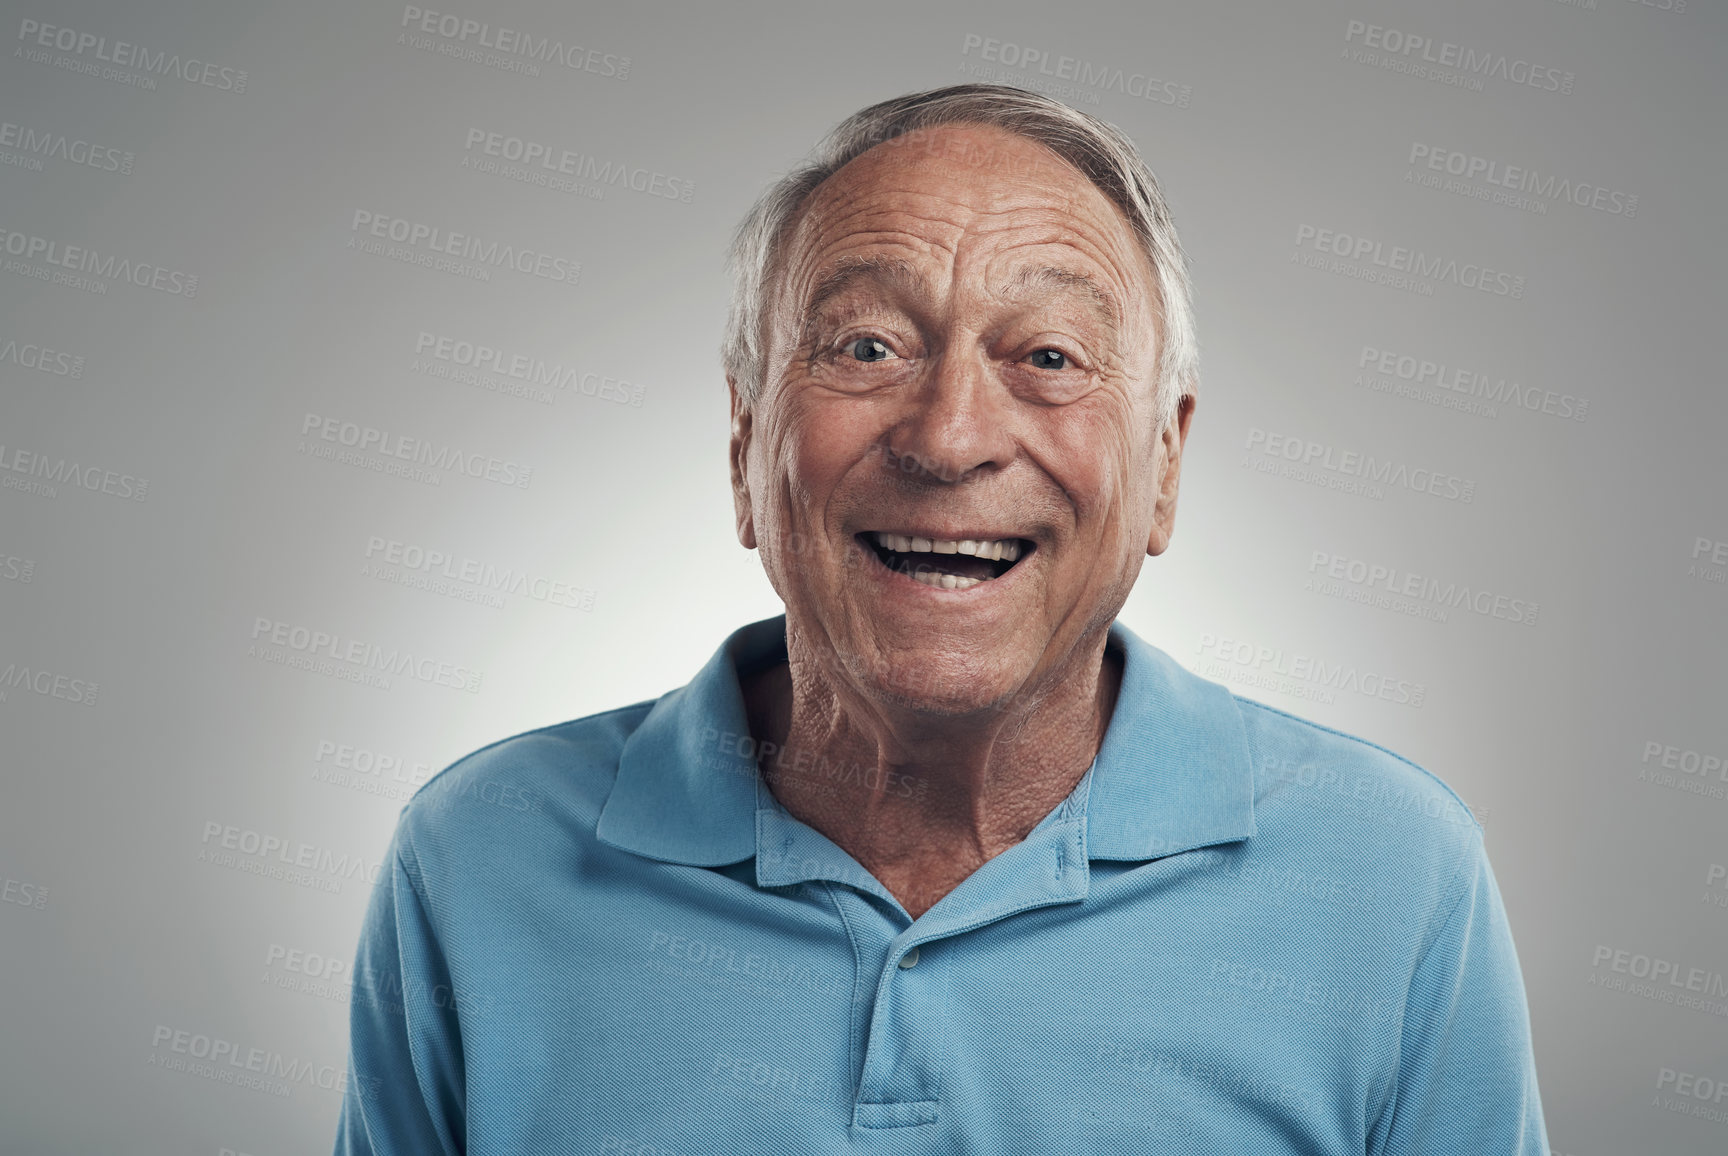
pixel 1101 151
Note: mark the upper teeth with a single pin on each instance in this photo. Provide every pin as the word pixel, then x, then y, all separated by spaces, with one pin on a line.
pixel 1002 549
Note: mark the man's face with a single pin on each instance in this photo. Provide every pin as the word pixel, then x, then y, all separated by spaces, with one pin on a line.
pixel 962 351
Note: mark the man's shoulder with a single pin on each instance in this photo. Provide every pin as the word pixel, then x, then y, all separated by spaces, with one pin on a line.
pixel 1339 783
pixel 561 773
pixel 1297 760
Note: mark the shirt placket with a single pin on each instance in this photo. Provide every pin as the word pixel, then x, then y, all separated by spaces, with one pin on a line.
pixel 905 1036
pixel 904 1030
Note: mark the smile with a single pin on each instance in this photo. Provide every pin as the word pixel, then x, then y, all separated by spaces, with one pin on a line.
pixel 946 563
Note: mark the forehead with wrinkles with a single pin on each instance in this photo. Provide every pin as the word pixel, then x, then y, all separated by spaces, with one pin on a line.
pixel 936 203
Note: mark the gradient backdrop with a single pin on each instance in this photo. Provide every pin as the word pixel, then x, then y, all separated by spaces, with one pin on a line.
pixel 360 405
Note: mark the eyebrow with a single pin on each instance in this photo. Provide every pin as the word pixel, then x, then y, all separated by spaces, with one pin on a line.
pixel 1103 303
pixel 894 273
pixel 890 272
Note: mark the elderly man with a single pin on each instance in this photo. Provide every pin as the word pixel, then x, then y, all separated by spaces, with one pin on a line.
pixel 945 860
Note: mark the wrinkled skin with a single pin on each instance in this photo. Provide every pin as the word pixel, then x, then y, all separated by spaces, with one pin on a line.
pixel 986 370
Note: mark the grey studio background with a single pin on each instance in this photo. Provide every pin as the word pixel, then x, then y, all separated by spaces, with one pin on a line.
pixel 360 405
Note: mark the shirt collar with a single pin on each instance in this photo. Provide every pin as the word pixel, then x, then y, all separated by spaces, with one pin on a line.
pixel 1173 773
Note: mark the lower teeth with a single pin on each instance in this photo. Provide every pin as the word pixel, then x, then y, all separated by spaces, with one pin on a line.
pixel 944 581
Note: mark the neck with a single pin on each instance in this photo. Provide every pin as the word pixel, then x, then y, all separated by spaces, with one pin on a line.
pixel 923 800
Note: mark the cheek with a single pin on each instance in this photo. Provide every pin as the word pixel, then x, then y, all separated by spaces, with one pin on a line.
pixel 1098 467
pixel 805 456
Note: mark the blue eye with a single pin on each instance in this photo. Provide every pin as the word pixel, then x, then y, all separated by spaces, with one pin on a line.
pixel 869 349
pixel 1050 359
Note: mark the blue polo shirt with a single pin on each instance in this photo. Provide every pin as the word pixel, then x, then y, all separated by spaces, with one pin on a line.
pixel 1241 933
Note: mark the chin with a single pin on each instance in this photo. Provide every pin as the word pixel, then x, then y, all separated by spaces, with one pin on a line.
pixel 944 688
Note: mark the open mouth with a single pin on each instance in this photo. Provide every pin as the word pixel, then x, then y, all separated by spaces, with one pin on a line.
pixel 945 563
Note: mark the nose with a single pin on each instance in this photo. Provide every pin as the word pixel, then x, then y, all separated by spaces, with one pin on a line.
pixel 955 423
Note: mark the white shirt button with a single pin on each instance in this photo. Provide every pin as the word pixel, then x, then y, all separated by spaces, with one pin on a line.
pixel 910 959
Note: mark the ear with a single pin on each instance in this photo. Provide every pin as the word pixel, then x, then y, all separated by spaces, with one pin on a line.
pixel 739 453
pixel 1175 435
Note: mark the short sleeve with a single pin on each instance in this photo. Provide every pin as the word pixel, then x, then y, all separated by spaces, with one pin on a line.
pixel 1466 1078
pixel 405 1092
